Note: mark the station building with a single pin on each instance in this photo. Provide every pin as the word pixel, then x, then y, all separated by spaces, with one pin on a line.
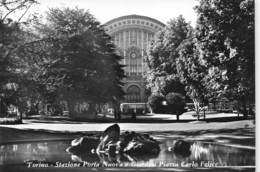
pixel 132 35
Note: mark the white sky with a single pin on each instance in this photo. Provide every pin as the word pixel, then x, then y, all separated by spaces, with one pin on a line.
pixel 105 10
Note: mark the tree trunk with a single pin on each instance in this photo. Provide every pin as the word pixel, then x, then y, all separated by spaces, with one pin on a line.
pixel 20 116
pixel 3 109
pixel 92 110
pixel 245 110
pixel 238 109
pixel 71 108
pixel 214 105
pixel 99 108
pixel 178 116
pixel 116 108
pixel 243 102
pixel 197 108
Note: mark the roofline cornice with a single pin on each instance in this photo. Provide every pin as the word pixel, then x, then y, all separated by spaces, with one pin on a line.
pixel 134 16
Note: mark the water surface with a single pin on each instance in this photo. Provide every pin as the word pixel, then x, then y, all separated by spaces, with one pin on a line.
pixel 202 154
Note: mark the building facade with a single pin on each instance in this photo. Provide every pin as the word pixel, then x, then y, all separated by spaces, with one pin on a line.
pixel 132 35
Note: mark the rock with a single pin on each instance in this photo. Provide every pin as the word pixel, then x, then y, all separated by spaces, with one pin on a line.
pixel 134 143
pixel 112 143
pixel 83 144
pixel 182 148
pixel 109 137
pixel 112 132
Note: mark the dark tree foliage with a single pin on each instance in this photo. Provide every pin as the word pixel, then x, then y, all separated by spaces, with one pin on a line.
pixel 38 88
pixel 225 35
pixel 6 64
pixel 11 38
pixel 84 66
pixel 68 58
pixel 161 60
pixel 156 103
pixel 173 86
pixel 175 103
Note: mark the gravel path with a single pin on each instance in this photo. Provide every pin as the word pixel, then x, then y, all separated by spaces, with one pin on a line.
pixel 83 127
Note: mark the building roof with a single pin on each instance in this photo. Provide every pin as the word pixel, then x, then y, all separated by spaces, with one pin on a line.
pixel 134 16
pixel 133 21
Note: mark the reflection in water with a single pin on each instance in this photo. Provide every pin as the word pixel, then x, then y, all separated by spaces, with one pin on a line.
pixel 56 151
pixel 37 151
pixel 198 151
pixel 223 155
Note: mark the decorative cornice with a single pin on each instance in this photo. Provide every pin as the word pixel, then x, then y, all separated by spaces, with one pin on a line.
pixel 134 16
pixel 133 21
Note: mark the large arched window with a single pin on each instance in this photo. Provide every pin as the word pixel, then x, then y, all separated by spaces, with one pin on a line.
pixel 134 61
pixel 133 64
pixel 133 94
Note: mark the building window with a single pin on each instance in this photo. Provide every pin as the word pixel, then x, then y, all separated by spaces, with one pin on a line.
pixel 134 64
pixel 133 61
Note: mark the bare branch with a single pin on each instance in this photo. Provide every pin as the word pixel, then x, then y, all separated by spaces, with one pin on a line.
pixel 25 12
pixel 20 4
pixel 17 7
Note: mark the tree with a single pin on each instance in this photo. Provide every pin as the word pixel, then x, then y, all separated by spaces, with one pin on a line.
pixel 11 38
pixel 38 88
pixel 192 72
pixel 225 34
pixel 174 63
pixel 161 61
pixel 175 103
pixel 84 59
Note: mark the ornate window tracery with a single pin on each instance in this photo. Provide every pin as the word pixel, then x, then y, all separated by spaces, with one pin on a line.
pixel 134 61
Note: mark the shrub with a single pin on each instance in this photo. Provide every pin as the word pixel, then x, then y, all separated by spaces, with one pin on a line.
pixel 10 121
pixel 155 103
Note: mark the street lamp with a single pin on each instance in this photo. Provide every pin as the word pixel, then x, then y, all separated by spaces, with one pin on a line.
pixel 164 103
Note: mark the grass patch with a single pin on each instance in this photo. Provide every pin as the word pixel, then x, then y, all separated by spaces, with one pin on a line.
pixel 10 121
